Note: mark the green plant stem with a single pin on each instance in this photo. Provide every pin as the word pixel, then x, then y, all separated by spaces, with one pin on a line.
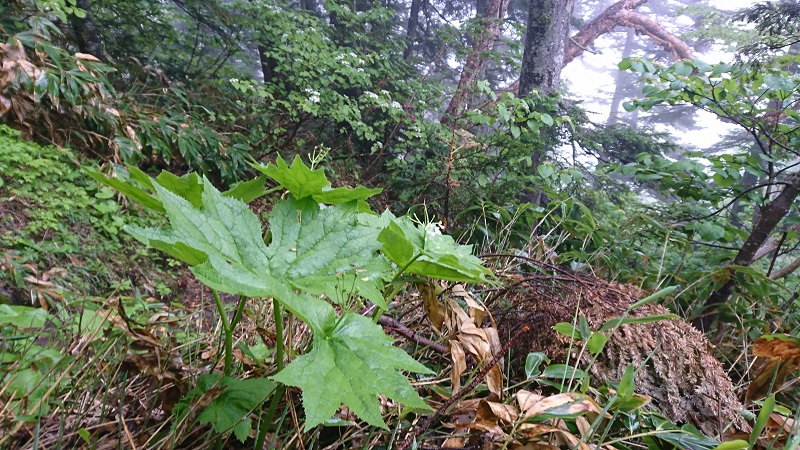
pixel 377 314
pixel 404 268
pixel 266 417
pixel 277 312
pixel 239 311
pixel 227 330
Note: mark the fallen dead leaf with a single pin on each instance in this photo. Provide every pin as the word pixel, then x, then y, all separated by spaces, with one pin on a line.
pixel 459 364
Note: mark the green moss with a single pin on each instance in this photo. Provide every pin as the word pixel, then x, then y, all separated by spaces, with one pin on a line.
pixel 55 219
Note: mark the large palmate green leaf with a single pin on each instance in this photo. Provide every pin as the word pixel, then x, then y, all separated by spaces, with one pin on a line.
pixel 303 182
pixel 352 359
pixel 423 250
pixel 319 251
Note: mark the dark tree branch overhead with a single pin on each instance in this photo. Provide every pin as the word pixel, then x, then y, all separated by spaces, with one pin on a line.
pixel 622 14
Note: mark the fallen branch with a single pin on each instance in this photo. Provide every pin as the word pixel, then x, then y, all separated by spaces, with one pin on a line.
pixel 404 331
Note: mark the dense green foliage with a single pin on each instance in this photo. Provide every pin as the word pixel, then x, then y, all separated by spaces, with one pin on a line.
pixel 159 254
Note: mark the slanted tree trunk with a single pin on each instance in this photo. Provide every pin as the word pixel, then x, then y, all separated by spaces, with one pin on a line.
pixel 492 18
pixel 545 40
pixel 764 224
pixel 86 35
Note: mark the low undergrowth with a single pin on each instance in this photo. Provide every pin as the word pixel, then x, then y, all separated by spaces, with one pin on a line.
pixel 286 345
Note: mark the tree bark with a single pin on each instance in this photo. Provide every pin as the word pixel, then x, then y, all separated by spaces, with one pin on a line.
pixel 268 65
pixel 545 40
pixel 411 29
pixel 785 270
pixel 772 245
pixel 620 14
pixel 484 42
pixel 86 35
pixel 765 223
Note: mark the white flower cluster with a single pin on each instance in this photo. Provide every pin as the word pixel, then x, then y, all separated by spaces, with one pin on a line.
pixel 234 80
pixel 313 96
pixel 433 229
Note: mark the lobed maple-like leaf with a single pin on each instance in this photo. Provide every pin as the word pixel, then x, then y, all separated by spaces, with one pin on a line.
pixel 351 361
pixel 425 251
pixel 303 182
pixel 314 250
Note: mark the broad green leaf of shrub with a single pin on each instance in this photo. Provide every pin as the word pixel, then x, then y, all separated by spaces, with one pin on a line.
pixel 247 191
pixel 139 186
pixel 27 391
pixel 351 362
pixel 422 251
pixel 234 400
pixel 301 181
pixel 22 316
pixel 133 191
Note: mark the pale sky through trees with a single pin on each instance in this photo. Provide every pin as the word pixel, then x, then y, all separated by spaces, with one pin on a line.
pixel 592 79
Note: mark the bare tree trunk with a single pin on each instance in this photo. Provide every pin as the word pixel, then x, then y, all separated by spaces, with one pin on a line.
pixel 484 42
pixel 309 5
pixel 411 30
pixel 786 270
pixel 86 34
pixel 620 14
pixel 268 65
pixel 545 40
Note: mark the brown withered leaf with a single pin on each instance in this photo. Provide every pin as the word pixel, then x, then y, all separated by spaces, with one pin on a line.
pixel 468 406
pixel 435 311
pixel 777 346
pixel 770 378
pixel 459 422
pixel 475 341
pixel 459 364
pixel 526 399
pixel 783 353
pixel 533 430
pixel 86 56
pixel 494 412
pixel 568 439
pixel 494 381
pixel 476 310
pixel 564 404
